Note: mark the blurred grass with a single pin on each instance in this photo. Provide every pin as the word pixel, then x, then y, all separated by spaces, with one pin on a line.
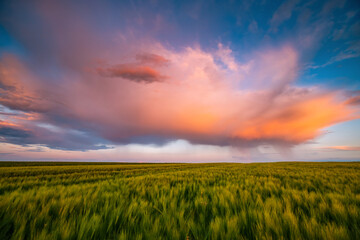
pixel 179 201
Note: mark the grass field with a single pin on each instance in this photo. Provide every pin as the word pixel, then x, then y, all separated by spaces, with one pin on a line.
pixel 180 201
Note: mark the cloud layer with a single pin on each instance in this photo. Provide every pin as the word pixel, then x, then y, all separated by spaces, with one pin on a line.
pixel 82 91
pixel 205 100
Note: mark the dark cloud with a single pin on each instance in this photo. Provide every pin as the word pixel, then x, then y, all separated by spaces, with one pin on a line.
pixel 15 136
pixel 150 58
pixel 134 73
pixel 149 139
pixel 353 101
pixel 60 139
pixel 9 132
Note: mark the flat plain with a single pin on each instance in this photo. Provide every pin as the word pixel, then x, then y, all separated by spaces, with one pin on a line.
pixel 289 200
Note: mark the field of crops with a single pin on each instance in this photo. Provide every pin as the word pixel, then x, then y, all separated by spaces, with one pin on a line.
pixel 180 201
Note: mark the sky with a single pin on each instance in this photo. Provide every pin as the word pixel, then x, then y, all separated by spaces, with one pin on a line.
pixel 180 81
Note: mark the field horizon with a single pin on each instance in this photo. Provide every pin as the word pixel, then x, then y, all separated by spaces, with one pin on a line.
pixel 177 162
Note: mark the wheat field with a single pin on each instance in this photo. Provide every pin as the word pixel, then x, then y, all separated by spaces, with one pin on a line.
pixel 179 201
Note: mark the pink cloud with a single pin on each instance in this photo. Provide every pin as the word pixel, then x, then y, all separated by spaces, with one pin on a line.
pixel 19 87
pixel 201 100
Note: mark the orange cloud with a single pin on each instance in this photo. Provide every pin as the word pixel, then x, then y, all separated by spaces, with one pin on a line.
pixel 7 124
pixel 298 122
pixel 344 148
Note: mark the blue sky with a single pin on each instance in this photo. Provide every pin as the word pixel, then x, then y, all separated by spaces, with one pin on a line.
pixel 191 81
